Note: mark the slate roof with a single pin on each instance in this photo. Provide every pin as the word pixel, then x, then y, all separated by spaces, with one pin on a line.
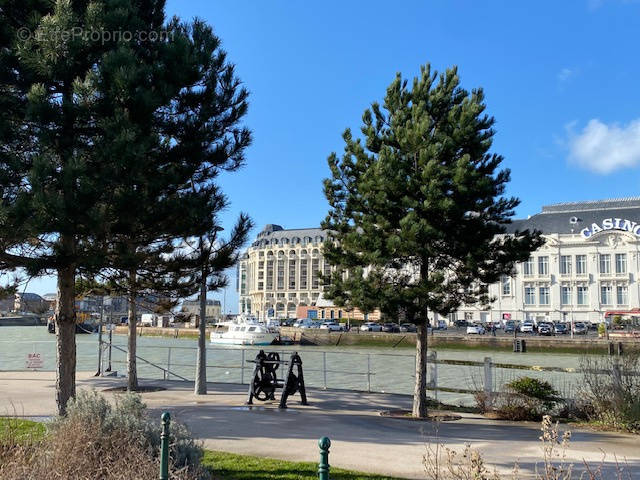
pixel 571 217
pixel 276 232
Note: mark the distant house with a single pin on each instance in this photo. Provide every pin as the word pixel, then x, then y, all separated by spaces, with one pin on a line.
pixel 6 304
pixel 51 299
pixel 191 308
pixel 30 302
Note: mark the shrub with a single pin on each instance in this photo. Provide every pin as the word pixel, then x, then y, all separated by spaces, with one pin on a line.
pixel 534 388
pixel 97 440
pixel 612 387
pixel 525 398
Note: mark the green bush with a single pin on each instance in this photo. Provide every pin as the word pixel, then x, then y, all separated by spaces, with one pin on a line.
pixel 534 388
pixel 602 330
pixel 525 398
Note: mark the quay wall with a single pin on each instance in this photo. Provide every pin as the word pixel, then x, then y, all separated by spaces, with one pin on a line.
pixel 441 340
pixel 20 321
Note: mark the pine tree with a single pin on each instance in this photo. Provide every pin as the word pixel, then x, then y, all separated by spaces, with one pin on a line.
pixel 205 261
pixel 103 139
pixel 417 208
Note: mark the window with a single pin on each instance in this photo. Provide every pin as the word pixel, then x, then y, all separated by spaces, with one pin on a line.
pixel 303 274
pixel 270 275
pixel 529 295
pixel 506 285
pixel 621 294
pixel 544 295
pixel 292 274
pixel 315 280
pixel 583 295
pixel 468 316
pixel 565 295
pixel 280 274
pixel 565 264
pixel 621 263
pixel 543 266
pixel 605 263
pixel 605 295
pixel 581 264
pixel 527 268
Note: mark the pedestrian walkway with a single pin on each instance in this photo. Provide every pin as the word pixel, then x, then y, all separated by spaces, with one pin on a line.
pixel 361 438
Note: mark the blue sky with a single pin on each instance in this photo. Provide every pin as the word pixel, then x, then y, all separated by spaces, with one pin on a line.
pixel 560 77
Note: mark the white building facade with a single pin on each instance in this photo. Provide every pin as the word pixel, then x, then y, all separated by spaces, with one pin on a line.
pixel 280 271
pixel 589 265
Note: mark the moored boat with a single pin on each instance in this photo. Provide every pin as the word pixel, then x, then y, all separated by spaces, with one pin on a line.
pixel 247 331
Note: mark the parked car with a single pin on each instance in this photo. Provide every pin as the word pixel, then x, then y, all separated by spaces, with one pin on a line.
pixel 545 329
pixel 371 327
pixel 332 326
pixel 303 323
pixel 461 323
pixel 561 329
pixel 442 325
pixel 288 322
pixel 390 328
pixel 475 330
pixel 408 327
pixel 580 328
pixel 509 326
pixel 526 327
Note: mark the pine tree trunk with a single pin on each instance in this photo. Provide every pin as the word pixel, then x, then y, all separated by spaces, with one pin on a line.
pixel 420 391
pixel 132 370
pixel 65 319
pixel 201 366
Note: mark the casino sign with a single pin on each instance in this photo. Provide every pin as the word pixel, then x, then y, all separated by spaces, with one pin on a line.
pixel 611 224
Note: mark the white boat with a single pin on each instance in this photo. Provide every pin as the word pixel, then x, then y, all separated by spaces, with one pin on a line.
pixel 246 331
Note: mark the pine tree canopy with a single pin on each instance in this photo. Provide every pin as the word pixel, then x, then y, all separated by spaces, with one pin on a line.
pixel 105 136
pixel 418 211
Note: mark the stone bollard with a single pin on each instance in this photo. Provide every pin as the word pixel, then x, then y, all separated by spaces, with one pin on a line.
pixel 323 467
pixel 164 447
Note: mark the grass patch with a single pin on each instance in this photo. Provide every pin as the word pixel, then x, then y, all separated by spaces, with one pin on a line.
pixel 20 431
pixel 230 466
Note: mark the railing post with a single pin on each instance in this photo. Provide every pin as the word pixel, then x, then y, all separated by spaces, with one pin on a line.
pixel 434 374
pixel 369 372
pixel 323 467
pixel 488 377
pixel 168 374
pixel 242 368
pixel 324 368
pixel 164 447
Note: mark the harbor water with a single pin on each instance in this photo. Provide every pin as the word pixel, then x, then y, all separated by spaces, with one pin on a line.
pixel 377 369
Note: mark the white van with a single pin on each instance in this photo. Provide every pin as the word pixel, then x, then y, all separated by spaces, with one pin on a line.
pixel 148 320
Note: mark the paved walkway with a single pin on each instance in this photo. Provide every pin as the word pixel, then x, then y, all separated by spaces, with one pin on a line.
pixel 361 438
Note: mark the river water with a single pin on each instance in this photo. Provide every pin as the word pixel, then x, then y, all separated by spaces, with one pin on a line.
pixel 390 370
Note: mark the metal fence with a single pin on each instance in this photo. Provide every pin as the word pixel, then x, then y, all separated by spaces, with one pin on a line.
pixel 449 380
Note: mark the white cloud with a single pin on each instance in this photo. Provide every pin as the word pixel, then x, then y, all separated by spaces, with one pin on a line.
pixel 604 148
pixel 565 74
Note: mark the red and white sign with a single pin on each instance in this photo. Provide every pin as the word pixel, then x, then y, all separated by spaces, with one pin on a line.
pixel 34 360
pixel 506 316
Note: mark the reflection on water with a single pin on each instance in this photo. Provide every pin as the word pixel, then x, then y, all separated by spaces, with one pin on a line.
pixel 390 370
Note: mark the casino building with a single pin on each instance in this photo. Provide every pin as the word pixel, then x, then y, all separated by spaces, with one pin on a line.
pixel 588 265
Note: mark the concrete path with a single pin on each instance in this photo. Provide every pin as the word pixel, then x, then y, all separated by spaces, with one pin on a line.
pixel 361 438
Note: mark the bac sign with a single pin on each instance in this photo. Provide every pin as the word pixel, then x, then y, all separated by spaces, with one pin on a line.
pixel 34 360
